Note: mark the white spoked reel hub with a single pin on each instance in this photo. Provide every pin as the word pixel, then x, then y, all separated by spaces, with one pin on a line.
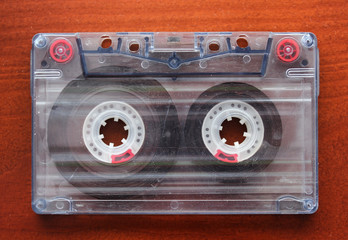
pixel 212 125
pixel 111 153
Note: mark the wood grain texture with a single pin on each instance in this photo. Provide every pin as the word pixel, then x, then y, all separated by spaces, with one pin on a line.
pixel 20 20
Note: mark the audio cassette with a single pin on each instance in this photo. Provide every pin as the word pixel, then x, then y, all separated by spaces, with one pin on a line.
pixel 147 123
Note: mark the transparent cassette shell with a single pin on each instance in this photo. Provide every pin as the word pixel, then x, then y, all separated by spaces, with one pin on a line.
pixel 174 95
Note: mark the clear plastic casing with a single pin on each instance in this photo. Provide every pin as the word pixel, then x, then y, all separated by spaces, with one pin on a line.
pixel 174 123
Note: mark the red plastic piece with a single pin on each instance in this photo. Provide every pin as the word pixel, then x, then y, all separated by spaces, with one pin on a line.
pixel 229 158
pixel 288 50
pixel 124 157
pixel 61 51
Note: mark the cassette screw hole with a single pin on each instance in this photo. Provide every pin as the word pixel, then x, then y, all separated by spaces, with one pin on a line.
pixel 106 42
pixel 40 204
pixel 309 205
pixel 40 42
pixel 214 46
pixel 242 43
pixel 308 40
pixel 304 62
pixel 232 131
pixel 44 63
pixel 114 132
pixel 134 47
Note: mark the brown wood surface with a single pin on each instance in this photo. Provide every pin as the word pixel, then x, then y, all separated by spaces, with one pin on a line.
pixel 20 20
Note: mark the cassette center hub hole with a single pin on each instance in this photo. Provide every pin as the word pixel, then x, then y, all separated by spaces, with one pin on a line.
pixel 288 50
pixel 114 132
pixel 233 131
pixel 60 50
pixel 232 128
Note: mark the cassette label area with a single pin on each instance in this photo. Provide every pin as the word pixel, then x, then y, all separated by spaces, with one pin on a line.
pixel 174 123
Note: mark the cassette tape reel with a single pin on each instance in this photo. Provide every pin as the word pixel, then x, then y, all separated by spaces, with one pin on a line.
pixel 101 167
pixel 174 123
pixel 245 105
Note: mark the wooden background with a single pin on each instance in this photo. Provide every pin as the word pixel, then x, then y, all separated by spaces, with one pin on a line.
pixel 20 20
